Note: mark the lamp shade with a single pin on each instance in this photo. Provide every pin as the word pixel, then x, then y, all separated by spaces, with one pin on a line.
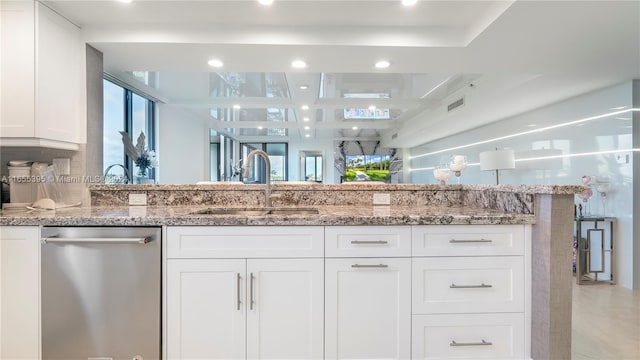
pixel 497 159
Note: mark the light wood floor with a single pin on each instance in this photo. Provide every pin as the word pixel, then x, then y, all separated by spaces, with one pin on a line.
pixel 606 322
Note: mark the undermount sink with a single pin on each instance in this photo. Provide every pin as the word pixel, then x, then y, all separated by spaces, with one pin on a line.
pixel 256 211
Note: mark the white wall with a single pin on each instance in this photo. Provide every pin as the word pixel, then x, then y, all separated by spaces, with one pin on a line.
pixel 183 149
pixel 611 133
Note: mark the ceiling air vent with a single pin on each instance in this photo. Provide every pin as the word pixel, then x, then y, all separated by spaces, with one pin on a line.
pixel 456 104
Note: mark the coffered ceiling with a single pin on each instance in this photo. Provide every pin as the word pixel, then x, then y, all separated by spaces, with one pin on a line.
pixel 502 57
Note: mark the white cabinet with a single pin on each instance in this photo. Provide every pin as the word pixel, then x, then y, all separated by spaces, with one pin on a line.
pixel 348 292
pixel 468 336
pixel 468 285
pixel 471 297
pixel 237 308
pixel 245 242
pixel 368 308
pixel 359 241
pixel 19 292
pixel 42 93
pixel 286 308
pixel 368 292
pixel 17 91
pixel 206 316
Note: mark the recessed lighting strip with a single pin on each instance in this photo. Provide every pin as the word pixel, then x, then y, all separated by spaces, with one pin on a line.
pixel 604 152
pixel 525 133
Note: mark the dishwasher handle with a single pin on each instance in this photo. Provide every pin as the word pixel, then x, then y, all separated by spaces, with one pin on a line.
pixel 100 240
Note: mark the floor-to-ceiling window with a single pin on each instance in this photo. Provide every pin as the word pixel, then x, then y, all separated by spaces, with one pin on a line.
pixel 125 110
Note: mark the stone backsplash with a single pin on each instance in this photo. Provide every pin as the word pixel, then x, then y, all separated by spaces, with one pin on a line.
pixel 517 199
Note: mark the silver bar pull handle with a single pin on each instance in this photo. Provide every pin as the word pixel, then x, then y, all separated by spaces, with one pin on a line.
pixel 481 343
pixel 251 291
pixel 483 285
pixel 370 242
pixel 369 266
pixel 456 241
pixel 238 302
pixel 57 240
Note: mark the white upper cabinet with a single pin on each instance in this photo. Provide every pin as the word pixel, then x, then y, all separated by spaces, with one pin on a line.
pixel 42 97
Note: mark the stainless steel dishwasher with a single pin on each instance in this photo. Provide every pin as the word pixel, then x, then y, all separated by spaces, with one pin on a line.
pixel 101 293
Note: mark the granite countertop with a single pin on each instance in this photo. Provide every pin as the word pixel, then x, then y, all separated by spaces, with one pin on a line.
pixel 372 185
pixel 328 215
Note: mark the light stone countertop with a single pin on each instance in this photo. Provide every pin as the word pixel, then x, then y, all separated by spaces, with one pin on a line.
pixel 328 215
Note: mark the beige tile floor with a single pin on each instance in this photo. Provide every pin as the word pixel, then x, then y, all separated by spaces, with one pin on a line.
pixel 606 322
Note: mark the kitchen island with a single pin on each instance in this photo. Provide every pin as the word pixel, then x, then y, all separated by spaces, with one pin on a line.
pixel 545 210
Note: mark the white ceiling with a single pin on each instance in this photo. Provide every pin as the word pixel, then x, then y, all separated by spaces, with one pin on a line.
pixel 504 57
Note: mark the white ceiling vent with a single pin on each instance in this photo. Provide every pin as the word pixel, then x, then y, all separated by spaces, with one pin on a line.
pixel 456 104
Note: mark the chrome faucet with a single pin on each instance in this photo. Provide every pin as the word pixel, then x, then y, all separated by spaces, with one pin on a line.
pixel 247 168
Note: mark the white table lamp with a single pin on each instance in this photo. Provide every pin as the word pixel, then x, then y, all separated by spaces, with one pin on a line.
pixel 503 159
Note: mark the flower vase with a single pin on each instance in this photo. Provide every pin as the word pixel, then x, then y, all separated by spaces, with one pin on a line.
pixel 143 180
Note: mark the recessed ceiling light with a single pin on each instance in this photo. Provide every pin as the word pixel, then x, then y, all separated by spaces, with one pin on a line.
pixel 382 64
pixel 298 64
pixel 409 2
pixel 236 106
pixel 305 107
pixel 125 1
pixel 215 63
pixel 265 2
pixel 307 135
pixel 307 128
pixel 354 128
pixel 305 119
pixel 372 107
pixel 304 87
pixel 260 127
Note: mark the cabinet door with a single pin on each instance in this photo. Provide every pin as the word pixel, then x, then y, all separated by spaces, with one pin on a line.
pixel 19 292
pixel 285 304
pixel 205 309
pixel 17 92
pixel 368 308
pixel 58 81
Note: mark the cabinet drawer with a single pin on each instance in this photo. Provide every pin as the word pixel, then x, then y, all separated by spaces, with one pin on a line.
pixel 244 242
pixel 468 240
pixel 468 284
pixel 477 336
pixel 370 241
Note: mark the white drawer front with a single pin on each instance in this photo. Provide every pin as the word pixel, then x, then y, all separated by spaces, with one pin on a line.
pixel 368 241
pixel 476 336
pixel 468 240
pixel 468 284
pixel 244 242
